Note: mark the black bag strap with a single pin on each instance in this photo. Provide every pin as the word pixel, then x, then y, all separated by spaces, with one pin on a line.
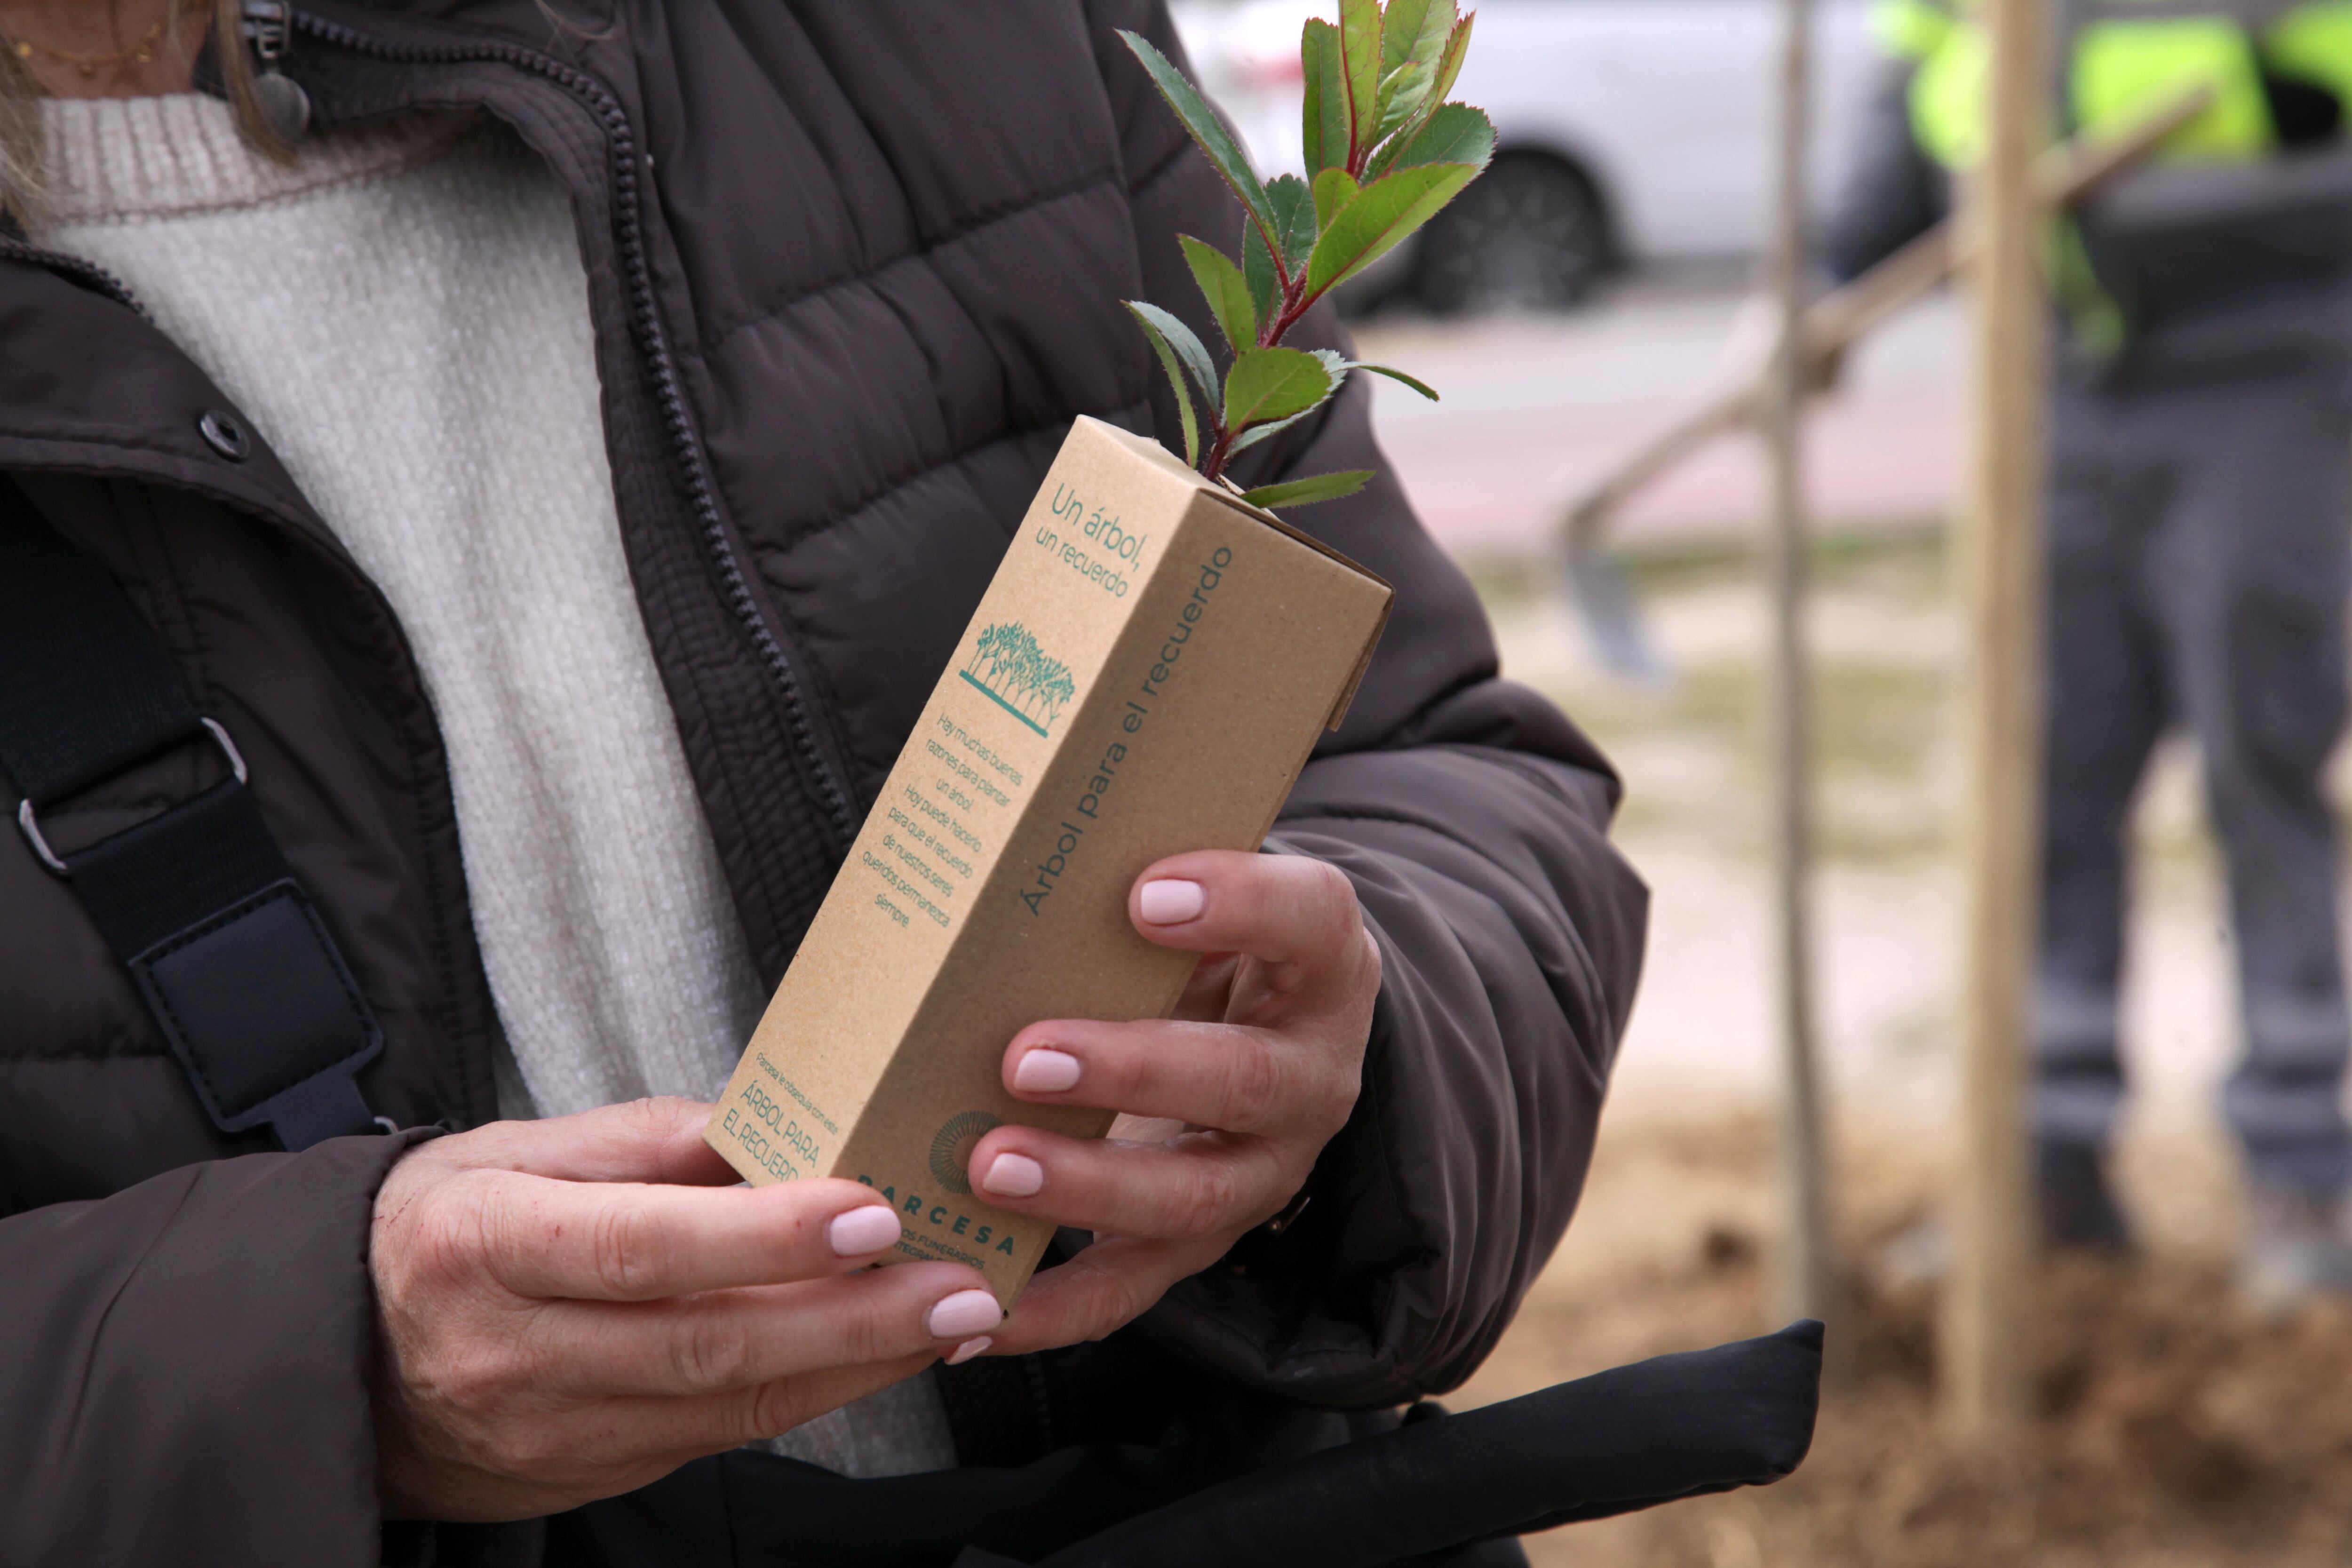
pixel 198 903
pixel 1673 1427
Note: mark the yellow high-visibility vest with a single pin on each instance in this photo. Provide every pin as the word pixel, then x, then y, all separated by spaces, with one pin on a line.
pixel 2123 69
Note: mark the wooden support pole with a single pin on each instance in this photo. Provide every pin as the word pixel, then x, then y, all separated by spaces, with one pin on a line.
pixel 1987 1366
pixel 1809 1269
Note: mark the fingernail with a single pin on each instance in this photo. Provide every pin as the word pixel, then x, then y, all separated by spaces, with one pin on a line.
pixel 1014 1176
pixel 1171 902
pixel 964 1314
pixel 968 1349
pixel 1045 1071
pixel 863 1230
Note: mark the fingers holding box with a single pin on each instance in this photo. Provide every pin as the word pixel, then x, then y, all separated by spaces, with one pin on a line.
pixel 1235 1077
pixel 1221 1120
pixel 1295 916
pixel 546 1339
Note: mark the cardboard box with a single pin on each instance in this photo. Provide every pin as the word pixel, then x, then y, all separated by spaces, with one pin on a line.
pixel 1146 674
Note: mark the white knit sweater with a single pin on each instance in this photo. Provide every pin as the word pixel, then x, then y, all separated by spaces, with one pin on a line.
pixel 403 316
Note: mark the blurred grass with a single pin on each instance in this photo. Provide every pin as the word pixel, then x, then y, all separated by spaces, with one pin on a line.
pixel 1694 746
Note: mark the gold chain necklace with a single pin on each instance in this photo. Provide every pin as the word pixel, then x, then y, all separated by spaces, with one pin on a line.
pixel 88 63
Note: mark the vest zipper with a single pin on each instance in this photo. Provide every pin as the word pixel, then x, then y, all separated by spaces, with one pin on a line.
pixel 653 342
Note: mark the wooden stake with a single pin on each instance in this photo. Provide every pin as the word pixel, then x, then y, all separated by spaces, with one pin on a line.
pixel 1809 1267
pixel 1987 1368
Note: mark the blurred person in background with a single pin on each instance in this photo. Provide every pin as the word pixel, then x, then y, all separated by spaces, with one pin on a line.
pixel 2199 507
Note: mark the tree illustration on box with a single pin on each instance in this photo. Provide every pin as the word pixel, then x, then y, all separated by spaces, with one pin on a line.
pixel 1383 151
pixel 1007 664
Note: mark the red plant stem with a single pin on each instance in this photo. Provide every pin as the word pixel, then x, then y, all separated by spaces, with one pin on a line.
pixel 1287 317
pixel 1296 302
pixel 1219 449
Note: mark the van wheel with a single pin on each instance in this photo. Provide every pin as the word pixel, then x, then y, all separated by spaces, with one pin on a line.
pixel 1528 234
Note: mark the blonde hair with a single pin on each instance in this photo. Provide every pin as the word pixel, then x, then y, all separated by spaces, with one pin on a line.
pixel 22 167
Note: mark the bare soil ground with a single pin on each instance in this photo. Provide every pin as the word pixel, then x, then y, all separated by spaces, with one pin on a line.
pixel 2175 1427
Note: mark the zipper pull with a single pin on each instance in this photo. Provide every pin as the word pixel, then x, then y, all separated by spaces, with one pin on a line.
pixel 285 107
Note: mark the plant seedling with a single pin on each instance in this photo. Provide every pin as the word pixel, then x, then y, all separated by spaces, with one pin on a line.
pixel 1384 152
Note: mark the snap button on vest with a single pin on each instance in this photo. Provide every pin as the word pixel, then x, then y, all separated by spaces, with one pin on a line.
pixel 225 433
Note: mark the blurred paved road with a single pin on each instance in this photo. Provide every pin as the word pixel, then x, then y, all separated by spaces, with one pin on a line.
pixel 1535 404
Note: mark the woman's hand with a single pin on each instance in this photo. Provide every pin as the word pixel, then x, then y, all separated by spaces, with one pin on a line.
pixel 1224 1108
pixel 573 1307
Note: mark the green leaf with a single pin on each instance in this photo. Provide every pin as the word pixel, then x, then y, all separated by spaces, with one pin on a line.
pixel 1175 380
pixel 1393 374
pixel 1413 41
pixel 1324 116
pixel 1258 432
pixel 1456 133
pixel 1449 66
pixel 1333 190
pixel 1382 214
pixel 1190 349
pixel 1360 58
pixel 1340 364
pixel 1413 30
pixel 1402 92
pixel 1449 59
pixel 1274 384
pixel 1227 290
pixel 1257 270
pixel 1294 217
pixel 1224 154
pixel 1305 492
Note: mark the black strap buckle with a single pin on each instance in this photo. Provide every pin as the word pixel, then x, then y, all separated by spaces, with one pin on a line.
pixel 250 1000
pixel 29 824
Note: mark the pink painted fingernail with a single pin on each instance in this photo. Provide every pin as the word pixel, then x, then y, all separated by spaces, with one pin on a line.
pixel 863 1230
pixel 964 1314
pixel 1014 1176
pixel 1045 1071
pixel 968 1349
pixel 1170 902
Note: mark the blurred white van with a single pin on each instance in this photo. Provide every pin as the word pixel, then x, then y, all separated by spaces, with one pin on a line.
pixel 1629 132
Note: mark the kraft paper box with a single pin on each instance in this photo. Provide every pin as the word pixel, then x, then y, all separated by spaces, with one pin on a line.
pixel 1146 674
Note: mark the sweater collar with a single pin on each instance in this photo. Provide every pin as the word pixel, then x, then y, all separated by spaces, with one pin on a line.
pixel 125 158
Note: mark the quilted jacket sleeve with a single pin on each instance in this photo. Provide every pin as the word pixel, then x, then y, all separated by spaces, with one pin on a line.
pixel 1472 818
pixel 200 1396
